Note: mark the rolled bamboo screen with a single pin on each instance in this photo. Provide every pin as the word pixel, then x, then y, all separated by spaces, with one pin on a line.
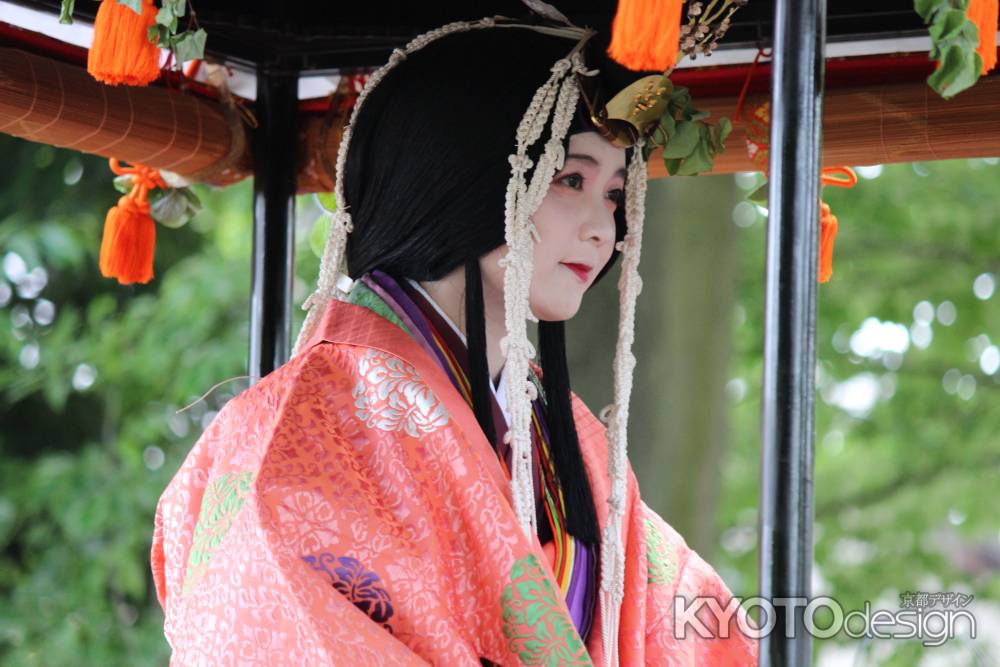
pixel 59 104
pixel 899 122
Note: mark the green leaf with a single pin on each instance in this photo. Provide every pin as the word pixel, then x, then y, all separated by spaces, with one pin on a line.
pixel 194 202
pixel 668 124
pixel 723 128
pixel 659 137
pixel 947 25
pixel 699 161
pixel 123 183
pixel 926 8
pixel 166 17
pixel 134 5
pixel 66 11
pixel 684 140
pixel 957 72
pixel 178 7
pixel 681 97
pixel 170 209
pixel 672 165
pixel 190 45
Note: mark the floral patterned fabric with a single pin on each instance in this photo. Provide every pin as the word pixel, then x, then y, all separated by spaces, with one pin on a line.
pixel 347 510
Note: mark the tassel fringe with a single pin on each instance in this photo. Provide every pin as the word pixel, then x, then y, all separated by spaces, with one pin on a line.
pixel 121 51
pixel 645 34
pixel 129 240
pixel 985 14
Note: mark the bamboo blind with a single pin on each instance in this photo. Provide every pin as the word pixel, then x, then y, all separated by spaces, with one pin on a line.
pixel 59 104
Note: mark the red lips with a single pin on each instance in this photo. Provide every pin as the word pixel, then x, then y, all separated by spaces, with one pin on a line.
pixel 582 271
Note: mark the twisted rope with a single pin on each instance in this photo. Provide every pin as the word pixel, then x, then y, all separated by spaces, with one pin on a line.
pixel 629 286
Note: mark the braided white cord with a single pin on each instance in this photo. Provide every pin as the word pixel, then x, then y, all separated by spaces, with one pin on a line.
pixel 558 97
pixel 518 264
pixel 629 286
pixel 341 224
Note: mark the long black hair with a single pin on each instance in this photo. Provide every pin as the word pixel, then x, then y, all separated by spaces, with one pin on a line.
pixel 425 180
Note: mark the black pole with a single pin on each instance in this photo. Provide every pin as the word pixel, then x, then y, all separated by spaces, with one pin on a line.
pixel 273 220
pixel 786 518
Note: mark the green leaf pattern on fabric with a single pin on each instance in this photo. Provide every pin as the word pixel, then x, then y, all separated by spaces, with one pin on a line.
pixel 537 628
pixel 221 503
pixel 661 559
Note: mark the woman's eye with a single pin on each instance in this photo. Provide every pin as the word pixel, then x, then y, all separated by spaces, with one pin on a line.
pixel 574 181
pixel 617 196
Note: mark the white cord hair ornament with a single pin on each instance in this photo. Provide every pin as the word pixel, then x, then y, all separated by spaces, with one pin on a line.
pixel 553 106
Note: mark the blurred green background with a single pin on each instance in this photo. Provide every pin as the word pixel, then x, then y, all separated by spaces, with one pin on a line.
pixel 93 376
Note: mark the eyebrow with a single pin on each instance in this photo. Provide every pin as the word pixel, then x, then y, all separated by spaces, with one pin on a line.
pixel 592 160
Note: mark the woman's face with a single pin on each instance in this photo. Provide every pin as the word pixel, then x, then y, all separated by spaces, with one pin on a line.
pixel 576 229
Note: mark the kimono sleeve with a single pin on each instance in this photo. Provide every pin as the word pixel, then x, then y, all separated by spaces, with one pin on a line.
pixel 692 618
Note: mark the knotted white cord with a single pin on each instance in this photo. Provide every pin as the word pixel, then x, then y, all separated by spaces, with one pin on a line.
pixel 629 286
pixel 556 97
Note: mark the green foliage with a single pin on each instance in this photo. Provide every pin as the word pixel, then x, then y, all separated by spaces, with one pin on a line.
pixel 689 143
pixel 66 11
pixel 954 39
pixel 906 477
pixel 92 378
pixel 188 44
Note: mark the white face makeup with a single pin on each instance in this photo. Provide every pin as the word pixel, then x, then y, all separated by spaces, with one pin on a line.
pixel 576 226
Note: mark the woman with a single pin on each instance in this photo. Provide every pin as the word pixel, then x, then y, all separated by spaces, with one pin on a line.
pixel 406 490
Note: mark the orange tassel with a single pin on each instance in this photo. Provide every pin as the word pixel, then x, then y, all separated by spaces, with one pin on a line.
pixel 985 14
pixel 842 177
pixel 827 234
pixel 758 129
pixel 129 231
pixel 645 34
pixel 121 51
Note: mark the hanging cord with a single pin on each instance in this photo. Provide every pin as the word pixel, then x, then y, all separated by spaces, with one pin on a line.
pixel 558 96
pixel 629 286
pixel 738 114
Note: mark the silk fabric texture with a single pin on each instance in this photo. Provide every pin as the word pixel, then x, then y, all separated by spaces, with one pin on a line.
pixel 348 510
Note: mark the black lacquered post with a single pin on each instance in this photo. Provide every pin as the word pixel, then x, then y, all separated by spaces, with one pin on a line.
pixel 273 220
pixel 786 518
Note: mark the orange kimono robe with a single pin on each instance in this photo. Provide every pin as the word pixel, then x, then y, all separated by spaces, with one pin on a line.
pixel 348 510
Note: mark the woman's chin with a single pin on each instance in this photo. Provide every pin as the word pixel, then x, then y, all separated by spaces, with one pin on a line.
pixel 556 312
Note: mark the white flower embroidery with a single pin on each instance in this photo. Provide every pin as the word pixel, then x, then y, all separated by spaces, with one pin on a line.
pixel 392 397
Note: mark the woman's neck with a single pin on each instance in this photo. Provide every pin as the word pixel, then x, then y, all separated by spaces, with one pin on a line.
pixel 449 294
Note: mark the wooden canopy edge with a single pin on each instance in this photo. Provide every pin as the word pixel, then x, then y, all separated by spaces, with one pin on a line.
pixel 52 102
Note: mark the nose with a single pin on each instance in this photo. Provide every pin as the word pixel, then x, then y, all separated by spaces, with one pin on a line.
pixel 598 226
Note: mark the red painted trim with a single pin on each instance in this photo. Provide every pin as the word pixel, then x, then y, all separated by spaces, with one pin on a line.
pixel 43 45
pixel 727 80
